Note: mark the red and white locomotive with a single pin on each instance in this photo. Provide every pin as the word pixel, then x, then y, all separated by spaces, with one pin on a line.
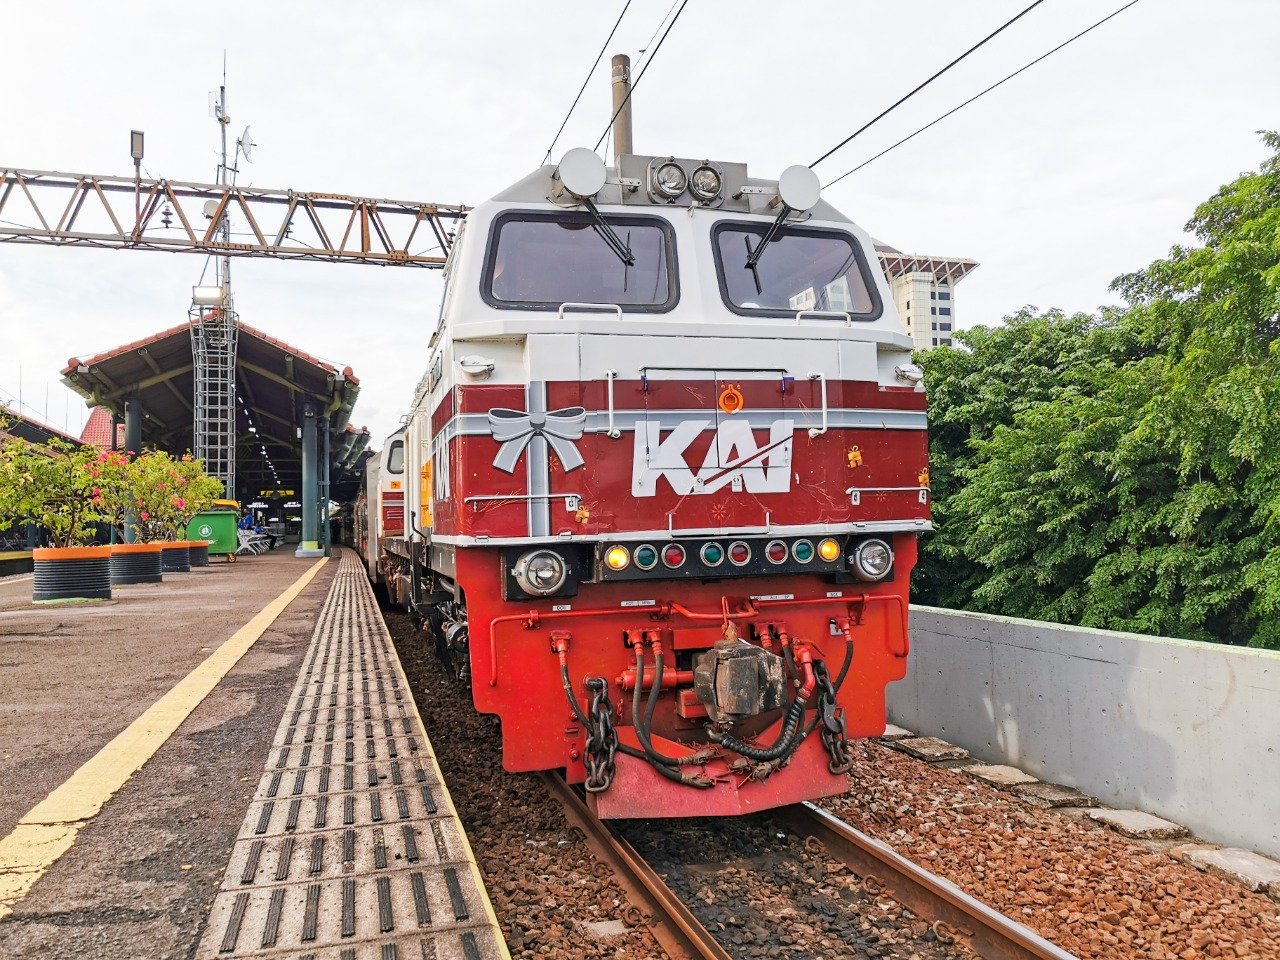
pixel 658 494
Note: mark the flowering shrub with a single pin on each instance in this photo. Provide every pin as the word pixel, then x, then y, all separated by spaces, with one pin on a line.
pixel 158 493
pixel 52 485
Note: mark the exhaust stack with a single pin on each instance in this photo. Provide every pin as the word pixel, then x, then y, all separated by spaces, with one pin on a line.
pixel 621 106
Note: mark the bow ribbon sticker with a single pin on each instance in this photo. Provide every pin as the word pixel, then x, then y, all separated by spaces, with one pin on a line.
pixel 514 429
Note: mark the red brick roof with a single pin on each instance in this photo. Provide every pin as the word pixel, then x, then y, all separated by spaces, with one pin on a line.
pixel 97 430
pixel 74 362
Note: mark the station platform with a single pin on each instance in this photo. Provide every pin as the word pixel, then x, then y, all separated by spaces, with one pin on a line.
pixel 226 764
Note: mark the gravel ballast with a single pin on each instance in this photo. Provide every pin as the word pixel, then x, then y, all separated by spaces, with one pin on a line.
pixel 1088 890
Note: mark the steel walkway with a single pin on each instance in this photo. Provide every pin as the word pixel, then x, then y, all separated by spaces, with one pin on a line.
pixel 351 847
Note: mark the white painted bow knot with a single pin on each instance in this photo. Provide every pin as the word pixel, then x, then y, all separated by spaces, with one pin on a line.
pixel 515 430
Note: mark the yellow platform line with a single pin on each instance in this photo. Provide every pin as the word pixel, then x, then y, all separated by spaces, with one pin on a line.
pixel 50 827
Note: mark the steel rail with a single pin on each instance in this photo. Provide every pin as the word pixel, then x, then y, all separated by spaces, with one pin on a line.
pixel 675 927
pixel 987 932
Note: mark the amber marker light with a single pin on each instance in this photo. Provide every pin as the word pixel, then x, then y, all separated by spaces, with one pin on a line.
pixel 617 558
pixel 829 550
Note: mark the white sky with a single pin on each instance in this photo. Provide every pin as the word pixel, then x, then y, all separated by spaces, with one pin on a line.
pixel 1085 167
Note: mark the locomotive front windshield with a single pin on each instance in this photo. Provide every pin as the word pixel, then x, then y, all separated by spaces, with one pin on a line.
pixel 538 261
pixel 800 269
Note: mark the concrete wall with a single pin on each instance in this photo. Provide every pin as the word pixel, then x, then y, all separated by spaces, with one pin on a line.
pixel 1188 731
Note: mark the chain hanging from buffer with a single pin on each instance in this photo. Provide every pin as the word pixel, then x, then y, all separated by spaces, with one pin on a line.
pixel 834 738
pixel 602 738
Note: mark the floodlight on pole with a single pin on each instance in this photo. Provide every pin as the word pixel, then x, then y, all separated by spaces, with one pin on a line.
pixel 135 151
pixel 208 296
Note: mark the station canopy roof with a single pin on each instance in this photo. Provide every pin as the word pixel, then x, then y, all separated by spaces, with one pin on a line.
pixel 273 381
pixel 22 427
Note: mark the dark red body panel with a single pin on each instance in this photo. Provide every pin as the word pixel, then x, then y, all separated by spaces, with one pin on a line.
pixel 823 468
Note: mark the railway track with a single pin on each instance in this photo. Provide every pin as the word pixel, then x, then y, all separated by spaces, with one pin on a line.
pixel 541 857
pixel 957 917
pixel 673 924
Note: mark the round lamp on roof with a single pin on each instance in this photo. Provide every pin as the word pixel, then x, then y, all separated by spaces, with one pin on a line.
pixel 799 188
pixel 581 172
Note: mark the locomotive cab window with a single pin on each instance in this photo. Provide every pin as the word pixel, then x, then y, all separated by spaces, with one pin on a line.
pixel 538 261
pixel 800 269
pixel 395 457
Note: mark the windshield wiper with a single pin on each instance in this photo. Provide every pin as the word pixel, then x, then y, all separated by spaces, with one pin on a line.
pixel 753 256
pixel 607 234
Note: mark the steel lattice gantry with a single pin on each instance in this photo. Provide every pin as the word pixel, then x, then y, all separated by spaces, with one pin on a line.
pixel 86 210
pixel 79 209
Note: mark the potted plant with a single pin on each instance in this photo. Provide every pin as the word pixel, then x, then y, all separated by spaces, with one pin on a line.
pixel 52 485
pixel 194 491
pixel 115 482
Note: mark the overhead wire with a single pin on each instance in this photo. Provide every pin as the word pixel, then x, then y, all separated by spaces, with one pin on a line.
pixel 894 106
pixel 640 76
pixel 587 80
pixel 981 93
pixel 661 22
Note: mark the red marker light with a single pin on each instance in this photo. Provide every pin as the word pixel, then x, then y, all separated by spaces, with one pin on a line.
pixel 776 551
pixel 673 555
pixel 739 554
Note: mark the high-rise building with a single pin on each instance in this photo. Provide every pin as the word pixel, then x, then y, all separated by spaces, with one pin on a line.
pixel 924 293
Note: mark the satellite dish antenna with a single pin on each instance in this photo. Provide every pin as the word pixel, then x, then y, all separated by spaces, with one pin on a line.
pixel 246 145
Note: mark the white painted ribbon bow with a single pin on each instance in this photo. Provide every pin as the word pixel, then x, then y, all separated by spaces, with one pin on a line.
pixel 514 429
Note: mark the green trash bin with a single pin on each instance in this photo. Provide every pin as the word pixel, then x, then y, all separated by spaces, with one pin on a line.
pixel 218 526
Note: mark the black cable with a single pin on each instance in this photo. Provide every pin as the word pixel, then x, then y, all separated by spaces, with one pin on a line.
pixel 637 718
pixel 920 87
pixel 982 93
pixel 635 83
pixel 599 57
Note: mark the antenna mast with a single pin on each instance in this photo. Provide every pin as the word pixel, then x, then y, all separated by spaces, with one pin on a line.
pixel 214 329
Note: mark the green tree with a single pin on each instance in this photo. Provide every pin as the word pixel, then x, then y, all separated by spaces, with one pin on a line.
pixel 1123 470
pixel 50 485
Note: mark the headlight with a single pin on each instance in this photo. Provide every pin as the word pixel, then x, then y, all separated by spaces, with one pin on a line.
pixel 670 180
pixel 704 183
pixel 872 560
pixel 540 572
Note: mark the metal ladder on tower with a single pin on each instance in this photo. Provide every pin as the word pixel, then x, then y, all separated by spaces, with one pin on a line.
pixel 213 348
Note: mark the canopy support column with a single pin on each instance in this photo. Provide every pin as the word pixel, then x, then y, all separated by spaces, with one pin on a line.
pixel 310 545
pixel 133 447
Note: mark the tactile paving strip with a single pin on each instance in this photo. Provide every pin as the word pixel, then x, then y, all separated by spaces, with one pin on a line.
pixel 351 847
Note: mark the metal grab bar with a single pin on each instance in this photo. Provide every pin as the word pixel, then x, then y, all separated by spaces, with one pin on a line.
pixel 609 376
pixel 822 383
pixel 571 500
pixel 840 314
pixel 855 493
pixel 590 308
